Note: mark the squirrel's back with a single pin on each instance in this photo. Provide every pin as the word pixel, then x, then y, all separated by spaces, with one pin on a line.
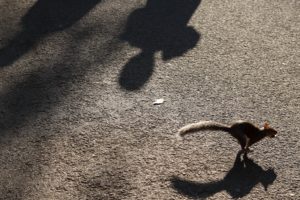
pixel 203 125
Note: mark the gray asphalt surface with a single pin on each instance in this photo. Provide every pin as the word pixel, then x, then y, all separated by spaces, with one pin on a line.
pixel 78 79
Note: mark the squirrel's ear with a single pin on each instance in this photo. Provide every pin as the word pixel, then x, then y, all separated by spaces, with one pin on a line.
pixel 266 125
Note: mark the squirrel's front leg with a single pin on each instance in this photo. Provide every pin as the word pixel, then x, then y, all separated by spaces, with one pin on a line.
pixel 247 149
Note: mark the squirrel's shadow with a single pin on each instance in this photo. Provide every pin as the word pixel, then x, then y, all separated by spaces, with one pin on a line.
pixel 238 182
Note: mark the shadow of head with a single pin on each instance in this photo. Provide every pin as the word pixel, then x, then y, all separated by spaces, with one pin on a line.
pixel 238 182
pixel 159 26
pixel 269 178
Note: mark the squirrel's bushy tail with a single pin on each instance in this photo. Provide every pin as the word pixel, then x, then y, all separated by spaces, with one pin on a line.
pixel 202 125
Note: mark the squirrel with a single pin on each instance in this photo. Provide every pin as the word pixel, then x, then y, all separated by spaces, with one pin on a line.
pixel 245 132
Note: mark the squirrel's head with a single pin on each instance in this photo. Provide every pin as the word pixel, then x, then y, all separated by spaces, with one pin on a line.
pixel 270 132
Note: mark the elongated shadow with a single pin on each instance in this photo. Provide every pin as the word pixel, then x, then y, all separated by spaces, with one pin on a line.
pixel 43 18
pixel 238 182
pixel 159 26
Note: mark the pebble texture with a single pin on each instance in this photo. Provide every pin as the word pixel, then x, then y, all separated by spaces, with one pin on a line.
pixel 78 80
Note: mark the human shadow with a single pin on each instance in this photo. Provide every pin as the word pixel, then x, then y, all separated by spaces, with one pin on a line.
pixel 43 18
pixel 159 26
pixel 238 182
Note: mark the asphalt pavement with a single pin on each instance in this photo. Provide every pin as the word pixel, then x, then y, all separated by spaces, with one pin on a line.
pixel 78 79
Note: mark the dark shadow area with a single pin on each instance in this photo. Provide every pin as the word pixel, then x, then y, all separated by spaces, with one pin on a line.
pixel 33 96
pixel 29 103
pixel 39 91
pixel 238 182
pixel 159 26
pixel 43 18
pixel 108 185
pixel 28 99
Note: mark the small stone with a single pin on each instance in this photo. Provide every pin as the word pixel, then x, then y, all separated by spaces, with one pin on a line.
pixel 158 101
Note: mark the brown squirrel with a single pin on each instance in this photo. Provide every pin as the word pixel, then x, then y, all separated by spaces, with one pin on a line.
pixel 246 133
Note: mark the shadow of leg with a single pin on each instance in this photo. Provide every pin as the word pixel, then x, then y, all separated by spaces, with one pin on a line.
pixel 15 49
pixel 137 71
